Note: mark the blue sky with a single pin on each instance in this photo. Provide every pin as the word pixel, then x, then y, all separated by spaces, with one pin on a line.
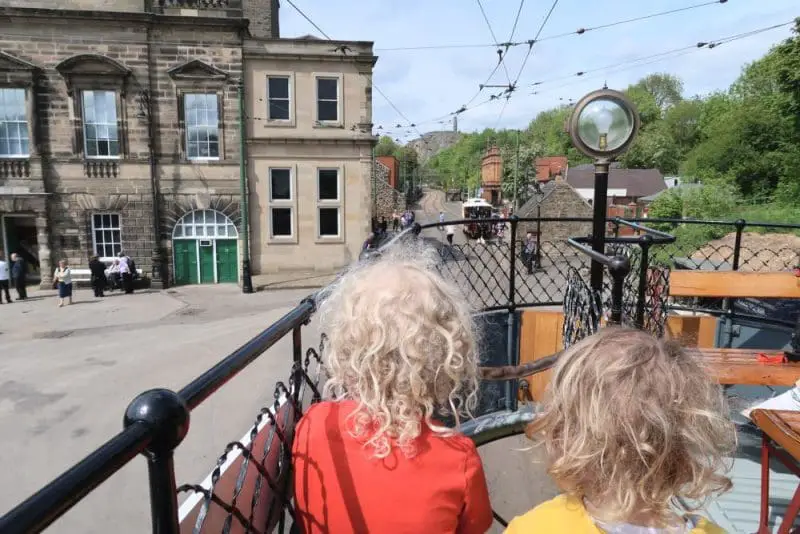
pixel 428 84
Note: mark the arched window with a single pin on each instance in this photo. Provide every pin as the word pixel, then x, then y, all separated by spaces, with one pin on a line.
pixel 205 224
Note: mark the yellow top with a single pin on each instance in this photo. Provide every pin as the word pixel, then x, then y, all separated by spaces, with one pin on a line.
pixel 568 515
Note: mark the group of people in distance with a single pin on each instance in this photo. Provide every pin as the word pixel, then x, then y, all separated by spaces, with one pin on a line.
pixel 634 429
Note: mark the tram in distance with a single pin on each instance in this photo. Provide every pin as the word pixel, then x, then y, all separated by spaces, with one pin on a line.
pixel 477 208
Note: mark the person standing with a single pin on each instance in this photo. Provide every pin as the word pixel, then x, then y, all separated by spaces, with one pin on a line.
pixel 451 230
pixel 63 277
pixel 395 221
pixel 98 270
pixel 18 268
pixel 5 274
pixel 125 271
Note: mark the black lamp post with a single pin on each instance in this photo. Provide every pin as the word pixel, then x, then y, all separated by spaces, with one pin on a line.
pixel 602 126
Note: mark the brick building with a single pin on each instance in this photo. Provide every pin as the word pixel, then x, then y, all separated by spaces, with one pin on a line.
pixel 119 131
pixel 393 166
pixel 492 175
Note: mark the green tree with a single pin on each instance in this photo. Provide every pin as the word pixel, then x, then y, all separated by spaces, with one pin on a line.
pixel 386 147
pixel 666 89
pixel 653 148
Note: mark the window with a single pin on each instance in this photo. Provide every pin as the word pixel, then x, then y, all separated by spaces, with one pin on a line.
pixel 207 224
pixel 14 140
pixel 100 129
pixel 278 98
pixel 202 126
pixel 107 234
pixel 281 198
pixel 328 203
pixel 328 99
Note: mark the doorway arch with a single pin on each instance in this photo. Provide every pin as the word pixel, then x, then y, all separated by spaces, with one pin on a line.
pixel 205 248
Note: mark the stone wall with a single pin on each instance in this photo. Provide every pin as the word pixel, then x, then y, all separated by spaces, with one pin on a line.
pixel 191 55
pixel 561 201
pixel 388 199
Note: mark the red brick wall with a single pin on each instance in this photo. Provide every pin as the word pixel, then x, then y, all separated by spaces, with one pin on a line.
pixel 394 168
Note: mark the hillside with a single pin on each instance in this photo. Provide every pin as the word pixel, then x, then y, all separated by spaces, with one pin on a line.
pixel 432 143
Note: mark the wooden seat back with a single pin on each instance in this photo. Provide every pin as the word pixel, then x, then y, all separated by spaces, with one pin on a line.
pixel 733 284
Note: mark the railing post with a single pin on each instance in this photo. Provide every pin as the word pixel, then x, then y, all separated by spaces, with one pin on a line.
pixel 538 256
pixel 619 267
pixel 737 246
pixel 512 276
pixel 645 242
pixel 168 417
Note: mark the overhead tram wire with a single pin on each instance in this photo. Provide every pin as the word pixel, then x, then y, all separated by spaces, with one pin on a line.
pixel 370 77
pixel 579 31
pixel 628 64
pixel 513 86
pixel 496 42
pixel 635 62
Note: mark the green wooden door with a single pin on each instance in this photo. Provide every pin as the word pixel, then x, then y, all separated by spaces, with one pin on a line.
pixel 227 260
pixel 185 261
pixel 206 249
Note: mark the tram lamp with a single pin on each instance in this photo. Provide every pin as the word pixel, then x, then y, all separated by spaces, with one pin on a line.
pixel 602 126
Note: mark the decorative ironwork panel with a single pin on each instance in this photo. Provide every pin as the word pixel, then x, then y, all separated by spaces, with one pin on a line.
pixel 581 309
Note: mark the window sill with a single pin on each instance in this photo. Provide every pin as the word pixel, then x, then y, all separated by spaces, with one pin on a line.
pixel 329 240
pixel 329 125
pixel 282 240
pixel 279 123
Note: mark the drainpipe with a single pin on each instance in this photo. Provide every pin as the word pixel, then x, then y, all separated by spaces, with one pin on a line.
pixel 159 275
pixel 247 280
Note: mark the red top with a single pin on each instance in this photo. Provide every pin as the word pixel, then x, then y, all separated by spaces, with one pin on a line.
pixel 341 488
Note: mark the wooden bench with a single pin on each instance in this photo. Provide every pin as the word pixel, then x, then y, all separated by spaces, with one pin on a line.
pixel 740 366
pixel 781 428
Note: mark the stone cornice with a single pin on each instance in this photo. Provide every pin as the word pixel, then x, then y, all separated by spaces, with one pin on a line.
pixel 123 18
pixel 319 58
pixel 328 141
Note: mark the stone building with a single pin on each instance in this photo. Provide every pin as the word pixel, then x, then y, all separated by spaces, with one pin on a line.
pixel 387 199
pixel 309 127
pixel 558 199
pixel 492 175
pixel 119 131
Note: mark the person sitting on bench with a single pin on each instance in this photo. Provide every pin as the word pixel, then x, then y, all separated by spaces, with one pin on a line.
pixel 633 428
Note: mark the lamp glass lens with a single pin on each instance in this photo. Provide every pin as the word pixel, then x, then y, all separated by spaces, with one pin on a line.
pixel 605 125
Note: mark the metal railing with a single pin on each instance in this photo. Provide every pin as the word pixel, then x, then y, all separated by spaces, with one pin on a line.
pixel 498 280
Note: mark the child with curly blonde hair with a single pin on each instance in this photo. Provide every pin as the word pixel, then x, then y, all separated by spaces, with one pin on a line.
pixel 401 347
pixel 634 430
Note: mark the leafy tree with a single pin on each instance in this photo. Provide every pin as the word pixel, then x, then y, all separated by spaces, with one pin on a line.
pixel 654 147
pixel 386 147
pixel 666 89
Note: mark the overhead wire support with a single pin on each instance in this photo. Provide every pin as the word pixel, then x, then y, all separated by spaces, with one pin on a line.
pixel 635 62
pixel 500 52
pixel 579 31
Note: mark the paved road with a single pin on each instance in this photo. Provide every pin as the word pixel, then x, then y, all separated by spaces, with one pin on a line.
pixel 483 270
pixel 68 374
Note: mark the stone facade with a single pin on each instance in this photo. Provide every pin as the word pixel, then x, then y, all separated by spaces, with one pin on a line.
pixel 560 200
pixel 388 200
pixel 309 152
pixel 149 62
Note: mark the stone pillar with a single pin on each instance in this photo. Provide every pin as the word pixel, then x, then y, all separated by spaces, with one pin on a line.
pixel 43 239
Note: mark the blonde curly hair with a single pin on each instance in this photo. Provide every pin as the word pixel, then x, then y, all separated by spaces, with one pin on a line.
pixel 401 343
pixel 635 425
